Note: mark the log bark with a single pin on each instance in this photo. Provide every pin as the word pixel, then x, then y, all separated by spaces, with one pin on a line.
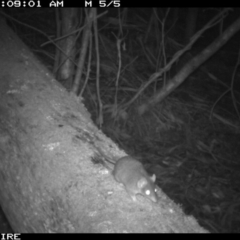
pixel 48 182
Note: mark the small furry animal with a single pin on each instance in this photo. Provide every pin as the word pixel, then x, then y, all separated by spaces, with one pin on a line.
pixel 135 179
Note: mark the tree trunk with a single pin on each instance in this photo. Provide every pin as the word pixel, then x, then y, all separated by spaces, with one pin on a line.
pixel 48 182
pixel 69 23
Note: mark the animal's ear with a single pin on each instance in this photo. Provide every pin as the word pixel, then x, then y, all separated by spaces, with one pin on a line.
pixel 142 182
pixel 153 177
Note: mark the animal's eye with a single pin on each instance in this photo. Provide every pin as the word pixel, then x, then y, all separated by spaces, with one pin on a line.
pixel 147 192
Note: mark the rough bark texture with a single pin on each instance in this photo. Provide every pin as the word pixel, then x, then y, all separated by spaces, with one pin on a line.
pixel 48 182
